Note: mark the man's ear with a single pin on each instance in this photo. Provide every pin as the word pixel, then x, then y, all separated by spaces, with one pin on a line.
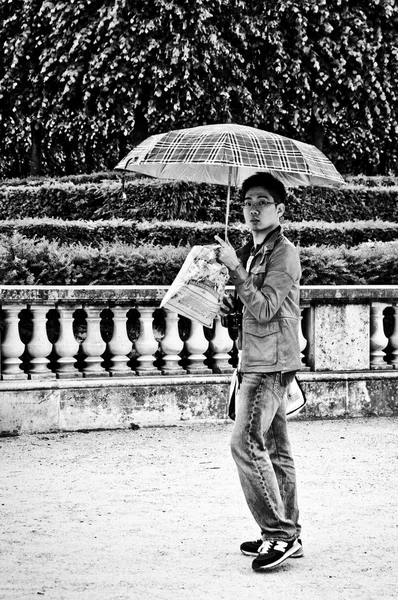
pixel 280 210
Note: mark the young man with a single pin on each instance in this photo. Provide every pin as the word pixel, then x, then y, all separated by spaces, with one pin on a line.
pixel 266 274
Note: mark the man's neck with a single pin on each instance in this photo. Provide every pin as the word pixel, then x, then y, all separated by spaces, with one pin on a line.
pixel 260 236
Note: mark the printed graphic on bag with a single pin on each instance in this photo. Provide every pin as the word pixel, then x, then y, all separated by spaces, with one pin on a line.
pixel 198 289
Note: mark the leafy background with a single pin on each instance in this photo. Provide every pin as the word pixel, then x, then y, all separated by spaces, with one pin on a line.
pixel 81 82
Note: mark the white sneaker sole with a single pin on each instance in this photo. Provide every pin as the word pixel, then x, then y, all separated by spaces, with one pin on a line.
pixel 249 553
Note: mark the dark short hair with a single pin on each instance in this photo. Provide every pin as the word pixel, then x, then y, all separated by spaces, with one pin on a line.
pixel 268 181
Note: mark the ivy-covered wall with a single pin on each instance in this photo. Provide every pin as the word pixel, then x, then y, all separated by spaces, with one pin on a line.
pixel 83 81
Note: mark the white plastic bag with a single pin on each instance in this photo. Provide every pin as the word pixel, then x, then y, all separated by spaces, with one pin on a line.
pixel 199 287
pixel 296 399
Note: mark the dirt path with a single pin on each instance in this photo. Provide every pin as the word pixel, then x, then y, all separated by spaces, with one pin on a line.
pixel 158 514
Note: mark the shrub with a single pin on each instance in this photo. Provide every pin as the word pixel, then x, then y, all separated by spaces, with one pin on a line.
pixel 149 199
pixel 366 264
pixel 185 233
pixel 338 205
pixel 308 233
pixel 94 233
pixel 30 262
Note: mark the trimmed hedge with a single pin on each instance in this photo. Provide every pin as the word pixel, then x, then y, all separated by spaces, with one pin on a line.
pixel 338 205
pixel 184 233
pixel 29 262
pixel 334 234
pixel 372 181
pixel 95 233
pixel 98 177
pixel 149 199
pixel 367 264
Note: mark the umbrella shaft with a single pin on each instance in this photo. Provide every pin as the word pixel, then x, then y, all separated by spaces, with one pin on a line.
pixel 228 203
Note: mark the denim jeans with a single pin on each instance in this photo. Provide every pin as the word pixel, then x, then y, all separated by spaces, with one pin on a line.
pixel 261 449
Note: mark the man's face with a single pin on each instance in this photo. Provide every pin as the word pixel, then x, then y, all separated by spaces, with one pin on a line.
pixel 260 211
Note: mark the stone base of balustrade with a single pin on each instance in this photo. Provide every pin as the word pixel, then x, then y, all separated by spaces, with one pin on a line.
pixel 64 405
pixel 118 374
pixel 95 374
pixel 173 372
pixel 147 372
pixel 71 375
pixel 41 376
pixel 223 370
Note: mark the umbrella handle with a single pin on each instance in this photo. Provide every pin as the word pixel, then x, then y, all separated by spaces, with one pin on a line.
pixel 228 203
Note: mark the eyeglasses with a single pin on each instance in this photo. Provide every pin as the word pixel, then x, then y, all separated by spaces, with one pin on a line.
pixel 257 205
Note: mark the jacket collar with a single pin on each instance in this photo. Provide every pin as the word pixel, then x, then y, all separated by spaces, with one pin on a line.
pixel 267 245
pixel 269 241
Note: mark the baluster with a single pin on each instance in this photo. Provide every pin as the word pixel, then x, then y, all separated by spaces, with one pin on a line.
pixel 39 346
pixel 221 345
pixel 66 346
pixel 120 345
pixel 378 339
pixel 302 339
pixel 93 346
pixel 196 345
pixel 146 344
pixel 394 339
pixel 12 346
pixel 171 345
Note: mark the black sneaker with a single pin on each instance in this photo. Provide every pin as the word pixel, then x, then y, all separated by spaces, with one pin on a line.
pixel 253 548
pixel 273 552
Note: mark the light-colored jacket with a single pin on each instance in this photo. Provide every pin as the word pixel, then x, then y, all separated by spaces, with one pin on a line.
pixel 270 295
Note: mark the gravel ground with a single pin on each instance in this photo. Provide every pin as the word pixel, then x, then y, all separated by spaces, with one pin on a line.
pixel 158 513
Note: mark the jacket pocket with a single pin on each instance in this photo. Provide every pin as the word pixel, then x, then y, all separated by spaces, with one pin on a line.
pixel 261 342
pixel 258 274
pixel 258 269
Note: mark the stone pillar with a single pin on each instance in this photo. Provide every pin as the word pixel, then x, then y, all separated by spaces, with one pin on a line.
pixel 303 326
pixel 66 346
pixel 93 346
pixel 39 346
pixel 120 345
pixel 378 339
pixel 146 344
pixel 196 346
pixel 341 337
pixel 394 339
pixel 12 346
pixel 171 345
pixel 221 345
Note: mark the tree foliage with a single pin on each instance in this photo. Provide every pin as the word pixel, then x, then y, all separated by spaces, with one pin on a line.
pixel 82 81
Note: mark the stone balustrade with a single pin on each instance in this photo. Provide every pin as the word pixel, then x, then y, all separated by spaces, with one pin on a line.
pixel 110 333
pixel 62 332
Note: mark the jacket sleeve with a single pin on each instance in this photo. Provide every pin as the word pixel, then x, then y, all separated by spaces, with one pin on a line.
pixel 283 272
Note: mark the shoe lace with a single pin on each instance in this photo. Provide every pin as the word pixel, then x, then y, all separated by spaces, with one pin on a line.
pixel 266 546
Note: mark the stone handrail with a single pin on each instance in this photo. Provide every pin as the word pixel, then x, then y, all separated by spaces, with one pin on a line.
pixel 64 332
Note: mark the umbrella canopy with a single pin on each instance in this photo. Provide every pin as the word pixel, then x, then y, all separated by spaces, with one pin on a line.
pixel 228 154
